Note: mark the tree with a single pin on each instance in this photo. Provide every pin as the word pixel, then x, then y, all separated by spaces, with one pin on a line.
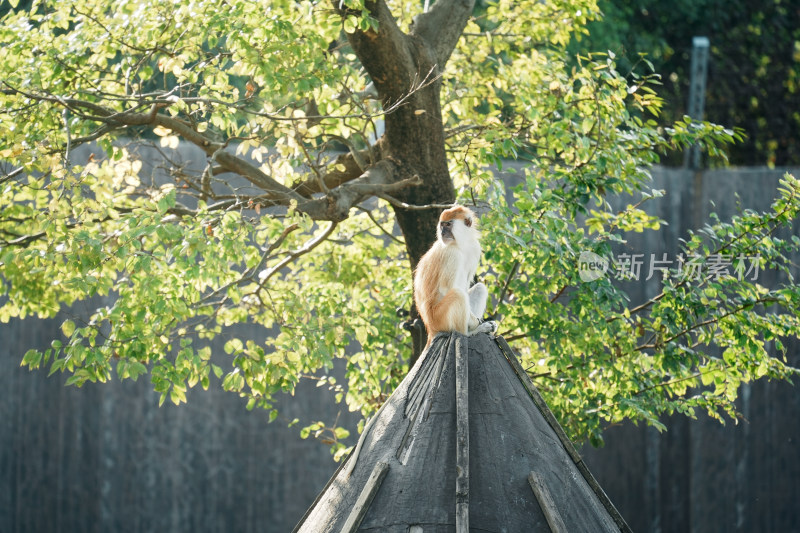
pixel 331 136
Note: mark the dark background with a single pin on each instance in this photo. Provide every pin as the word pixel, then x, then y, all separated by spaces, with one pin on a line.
pixel 753 66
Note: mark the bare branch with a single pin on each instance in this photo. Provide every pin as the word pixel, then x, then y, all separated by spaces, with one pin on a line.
pixel 397 203
pixel 310 245
pixel 11 175
pixel 96 134
pixel 357 155
pixel 378 180
pixel 512 273
pixel 378 224
pixel 333 179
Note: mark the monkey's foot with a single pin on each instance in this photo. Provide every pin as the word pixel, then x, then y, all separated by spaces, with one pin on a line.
pixel 490 327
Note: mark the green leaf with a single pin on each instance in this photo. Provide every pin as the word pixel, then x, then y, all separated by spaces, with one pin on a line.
pixel 350 24
pixel 68 328
pixel 233 346
pixel 32 358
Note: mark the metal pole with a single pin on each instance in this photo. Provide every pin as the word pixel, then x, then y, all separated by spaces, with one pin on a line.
pixel 697 94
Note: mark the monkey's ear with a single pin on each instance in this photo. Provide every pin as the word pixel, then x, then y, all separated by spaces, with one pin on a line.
pixel 468 222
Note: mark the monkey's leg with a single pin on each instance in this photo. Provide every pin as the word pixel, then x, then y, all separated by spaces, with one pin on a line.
pixel 478 296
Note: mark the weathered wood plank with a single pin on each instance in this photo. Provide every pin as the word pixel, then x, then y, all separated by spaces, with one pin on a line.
pixel 462 435
pixel 365 498
pixel 547 504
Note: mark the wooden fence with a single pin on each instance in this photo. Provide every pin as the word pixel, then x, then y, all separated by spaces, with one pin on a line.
pixel 700 476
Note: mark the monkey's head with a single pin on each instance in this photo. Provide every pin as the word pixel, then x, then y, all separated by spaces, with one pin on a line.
pixel 458 225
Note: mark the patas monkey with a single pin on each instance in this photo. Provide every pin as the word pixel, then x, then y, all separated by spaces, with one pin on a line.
pixel 441 282
pixel 441 287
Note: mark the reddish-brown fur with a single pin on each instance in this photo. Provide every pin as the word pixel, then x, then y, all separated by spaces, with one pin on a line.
pixel 458 211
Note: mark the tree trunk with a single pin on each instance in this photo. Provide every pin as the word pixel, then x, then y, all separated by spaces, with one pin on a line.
pixel 407 67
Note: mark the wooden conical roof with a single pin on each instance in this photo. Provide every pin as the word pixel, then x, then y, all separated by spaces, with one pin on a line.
pixel 465 443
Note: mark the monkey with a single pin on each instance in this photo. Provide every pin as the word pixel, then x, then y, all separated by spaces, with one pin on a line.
pixel 444 300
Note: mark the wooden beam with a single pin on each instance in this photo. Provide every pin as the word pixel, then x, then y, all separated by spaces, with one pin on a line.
pixel 365 498
pixel 462 435
pixel 546 503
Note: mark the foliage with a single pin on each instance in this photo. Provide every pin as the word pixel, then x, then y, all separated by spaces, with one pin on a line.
pixel 277 226
pixel 754 64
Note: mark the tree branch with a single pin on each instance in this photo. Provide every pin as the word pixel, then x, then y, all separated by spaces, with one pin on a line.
pixel 252 272
pixel 212 148
pixel 352 170
pixel 22 241
pixel 442 25
pixel 379 226
pixel 379 180
pixel 11 175
pixel 310 245
pixel 345 190
pixel 223 158
pixel 717 319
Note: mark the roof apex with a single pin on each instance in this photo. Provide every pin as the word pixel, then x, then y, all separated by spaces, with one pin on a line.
pixel 465 440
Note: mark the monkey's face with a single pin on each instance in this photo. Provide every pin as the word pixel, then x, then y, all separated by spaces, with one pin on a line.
pixel 446 231
pixel 457 226
pixel 457 230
